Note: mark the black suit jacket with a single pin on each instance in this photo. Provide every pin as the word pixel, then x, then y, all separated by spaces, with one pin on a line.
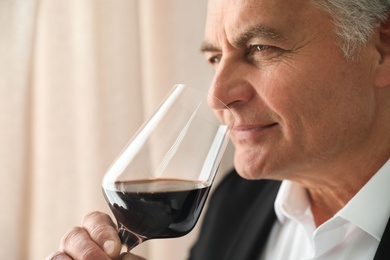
pixel 239 219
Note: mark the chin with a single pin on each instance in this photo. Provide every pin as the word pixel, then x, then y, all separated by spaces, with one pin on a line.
pixel 248 169
pixel 256 166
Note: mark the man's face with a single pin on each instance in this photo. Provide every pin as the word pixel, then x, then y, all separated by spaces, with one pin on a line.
pixel 301 107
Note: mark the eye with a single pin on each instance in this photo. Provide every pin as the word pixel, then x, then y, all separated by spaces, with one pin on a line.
pixel 214 59
pixel 257 48
pixel 262 53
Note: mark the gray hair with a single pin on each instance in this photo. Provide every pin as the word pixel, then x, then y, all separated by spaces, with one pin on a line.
pixel 355 20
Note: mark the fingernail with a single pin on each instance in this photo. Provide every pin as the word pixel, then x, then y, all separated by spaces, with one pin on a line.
pixel 109 247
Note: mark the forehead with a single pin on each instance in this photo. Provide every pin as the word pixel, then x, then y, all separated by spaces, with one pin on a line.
pixel 228 18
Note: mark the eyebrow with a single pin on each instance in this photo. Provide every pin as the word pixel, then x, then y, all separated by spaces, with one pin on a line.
pixel 257 31
pixel 243 38
pixel 209 47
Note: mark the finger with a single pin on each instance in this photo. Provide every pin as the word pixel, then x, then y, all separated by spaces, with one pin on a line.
pixel 77 244
pixel 104 232
pixel 58 256
pixel 130 256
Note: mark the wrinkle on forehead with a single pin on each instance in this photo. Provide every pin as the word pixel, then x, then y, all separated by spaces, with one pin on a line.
pixel 239 20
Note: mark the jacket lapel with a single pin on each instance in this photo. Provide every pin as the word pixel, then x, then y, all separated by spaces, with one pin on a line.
pixel 255 227
pixel 239 218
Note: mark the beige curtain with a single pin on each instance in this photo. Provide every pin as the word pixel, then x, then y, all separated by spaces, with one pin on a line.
pixel 77 78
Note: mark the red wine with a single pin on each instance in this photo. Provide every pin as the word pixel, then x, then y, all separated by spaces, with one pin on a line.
pixel 160 208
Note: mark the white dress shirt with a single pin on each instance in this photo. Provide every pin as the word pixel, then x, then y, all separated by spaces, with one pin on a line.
pixel 352 233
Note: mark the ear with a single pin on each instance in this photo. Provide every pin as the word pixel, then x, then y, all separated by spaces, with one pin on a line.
pixel 383 75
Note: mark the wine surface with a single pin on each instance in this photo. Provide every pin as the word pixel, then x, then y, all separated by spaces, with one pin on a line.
pixel 161 208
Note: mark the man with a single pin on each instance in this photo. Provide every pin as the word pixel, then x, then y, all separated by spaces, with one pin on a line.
pixel 309 82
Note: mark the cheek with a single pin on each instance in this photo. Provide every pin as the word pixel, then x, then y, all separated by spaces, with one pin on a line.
pixel 325 113
pixel 297 101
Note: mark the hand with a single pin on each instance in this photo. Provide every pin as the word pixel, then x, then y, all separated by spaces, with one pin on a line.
pixel 97 238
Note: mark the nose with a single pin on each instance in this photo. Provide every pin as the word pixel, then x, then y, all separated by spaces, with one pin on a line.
pixel 231 85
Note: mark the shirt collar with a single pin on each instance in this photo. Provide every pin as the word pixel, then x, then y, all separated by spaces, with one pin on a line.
pixel 291 202
pixel 369 209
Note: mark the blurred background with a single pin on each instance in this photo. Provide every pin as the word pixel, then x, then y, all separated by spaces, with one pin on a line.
pixel 77 79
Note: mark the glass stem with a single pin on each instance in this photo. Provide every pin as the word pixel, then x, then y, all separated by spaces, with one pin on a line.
pixel 128 238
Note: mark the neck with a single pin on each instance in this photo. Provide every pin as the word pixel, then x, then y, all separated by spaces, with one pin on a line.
pixel 329 196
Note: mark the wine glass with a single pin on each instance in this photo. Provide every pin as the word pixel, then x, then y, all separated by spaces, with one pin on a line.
pixel 158 185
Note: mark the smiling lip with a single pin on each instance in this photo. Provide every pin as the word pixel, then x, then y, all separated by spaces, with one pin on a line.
pixel 251 132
